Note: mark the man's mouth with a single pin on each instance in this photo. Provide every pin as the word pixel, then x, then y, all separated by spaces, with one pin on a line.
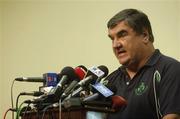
pixel 120 52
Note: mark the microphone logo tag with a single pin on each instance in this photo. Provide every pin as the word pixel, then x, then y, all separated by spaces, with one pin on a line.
pixel 103 90
pixel 97 71
pixel 51 79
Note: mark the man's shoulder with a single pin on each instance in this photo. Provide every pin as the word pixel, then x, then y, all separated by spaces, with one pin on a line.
pixel 167 65
pixel 168 61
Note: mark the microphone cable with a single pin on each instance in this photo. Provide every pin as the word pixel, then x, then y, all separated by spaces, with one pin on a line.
pixel 28 106
pixel 19 110
pixel 10 109
pixel 44 111
pixel 17 100
pixel 48 107
pixel 12 104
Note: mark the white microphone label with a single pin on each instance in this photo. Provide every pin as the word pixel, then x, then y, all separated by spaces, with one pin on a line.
pixel 97 71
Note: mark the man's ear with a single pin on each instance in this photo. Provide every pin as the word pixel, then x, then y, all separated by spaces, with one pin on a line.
pixel 145 35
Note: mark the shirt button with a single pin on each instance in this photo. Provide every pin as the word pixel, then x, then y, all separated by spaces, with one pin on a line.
pixel 127 83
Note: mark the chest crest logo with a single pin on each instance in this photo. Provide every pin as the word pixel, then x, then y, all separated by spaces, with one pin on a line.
pixel 142 87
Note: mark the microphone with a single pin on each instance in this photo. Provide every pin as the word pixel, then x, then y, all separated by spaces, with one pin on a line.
pixel 118 101
pixel 80 72
pixel 93 74
pixel 101 91
pixel 51 79
pixel 48 79
pixel 114 105
pixel 34 93
pixel 65 77
pixel 105 70
pixel 30 79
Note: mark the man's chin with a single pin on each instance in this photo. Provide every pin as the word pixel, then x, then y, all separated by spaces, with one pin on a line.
pixel 124 63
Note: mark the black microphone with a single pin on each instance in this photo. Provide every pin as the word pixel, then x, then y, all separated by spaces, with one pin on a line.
pixel 34 93
pixel 30 79
pixel 107 100
pixel 94 74
pixel 48 79
pixel 105 70
pixel 80 72
pixel 66 76
pixel 116 102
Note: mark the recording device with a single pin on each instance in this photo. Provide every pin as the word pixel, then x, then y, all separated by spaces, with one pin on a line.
pixel 51 79
pixel 98 101
pixel 34 93
pixel 118 101
pixel 105 70
pixel 108 101
pixel 101 91
pixel 92 105
pixel 72 82
pixel 48 79
pixel 94 74
pixel 30 79
pixel 66 76
pixel 113 105
pixel 104 99
pixel 80 72
pixel 107 97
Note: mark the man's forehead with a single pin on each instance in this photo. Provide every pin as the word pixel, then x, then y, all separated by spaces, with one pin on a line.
pixel 121 26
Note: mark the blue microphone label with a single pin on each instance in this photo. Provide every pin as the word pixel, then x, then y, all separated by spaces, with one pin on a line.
pixel 103 89
pixel 51 79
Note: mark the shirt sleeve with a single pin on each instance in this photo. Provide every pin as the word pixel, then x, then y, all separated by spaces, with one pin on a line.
pixel 169 89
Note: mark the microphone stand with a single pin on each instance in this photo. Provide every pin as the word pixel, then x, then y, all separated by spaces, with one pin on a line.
pixel 60 108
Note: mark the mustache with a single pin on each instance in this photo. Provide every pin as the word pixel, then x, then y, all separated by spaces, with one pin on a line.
pixel 120 49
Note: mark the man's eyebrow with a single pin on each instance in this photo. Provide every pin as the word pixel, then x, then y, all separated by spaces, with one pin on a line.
pixel 109 35
pixel 121 32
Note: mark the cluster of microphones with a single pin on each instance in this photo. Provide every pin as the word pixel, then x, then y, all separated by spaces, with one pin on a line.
pixel 75 87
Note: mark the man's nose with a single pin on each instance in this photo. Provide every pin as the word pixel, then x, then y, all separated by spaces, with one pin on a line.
pixel 116 43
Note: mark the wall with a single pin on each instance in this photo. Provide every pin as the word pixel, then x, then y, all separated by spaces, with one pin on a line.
pixel 45 36
pixel 1 55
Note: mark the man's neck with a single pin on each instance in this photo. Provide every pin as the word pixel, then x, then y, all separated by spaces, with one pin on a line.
pixel 134 68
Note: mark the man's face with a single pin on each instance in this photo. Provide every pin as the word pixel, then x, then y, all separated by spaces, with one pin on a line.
pixel 126 43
